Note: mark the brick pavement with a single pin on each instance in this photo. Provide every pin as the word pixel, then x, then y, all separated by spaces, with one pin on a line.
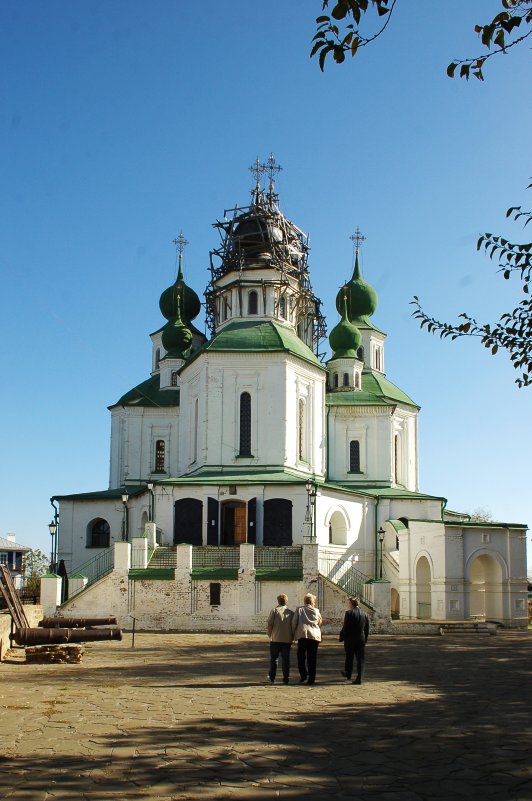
pixel 186 716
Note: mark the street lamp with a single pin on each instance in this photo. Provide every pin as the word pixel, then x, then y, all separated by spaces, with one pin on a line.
pixel 52 527
pixel 311 508
pixel 381 540
pixel 125 498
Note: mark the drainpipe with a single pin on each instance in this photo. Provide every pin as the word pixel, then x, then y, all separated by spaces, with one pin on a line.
pixel 327 446
pixel 376 534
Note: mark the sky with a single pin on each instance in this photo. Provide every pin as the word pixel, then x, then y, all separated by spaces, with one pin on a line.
pixel 124 122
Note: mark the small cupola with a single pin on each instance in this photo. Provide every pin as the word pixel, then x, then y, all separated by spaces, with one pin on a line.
pixel 344 367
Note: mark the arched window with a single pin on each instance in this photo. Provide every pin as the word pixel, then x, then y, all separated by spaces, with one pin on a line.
pixel 301 429
pixel 174 378
pixel 354 456
pixel 245 424
pixel 98 534
pixel 336 380
pixel 282 307
pixel 346 379
pixel 397 457
pixel 157 358
pixel 360 353
pixel 160 452
pixel 253 302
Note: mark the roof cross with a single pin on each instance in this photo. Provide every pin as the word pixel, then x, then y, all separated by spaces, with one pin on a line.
pixel 258 170
pixel 357 238
pixel 180 243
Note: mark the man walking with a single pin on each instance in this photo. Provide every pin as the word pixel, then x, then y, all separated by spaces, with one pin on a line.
pixel 280 634
pixel 354 635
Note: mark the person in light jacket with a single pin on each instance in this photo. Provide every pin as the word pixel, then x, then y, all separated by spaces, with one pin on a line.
pixel 279 629
pixel 306 628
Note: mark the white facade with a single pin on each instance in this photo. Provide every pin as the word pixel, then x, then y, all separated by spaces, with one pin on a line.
pixel 246 439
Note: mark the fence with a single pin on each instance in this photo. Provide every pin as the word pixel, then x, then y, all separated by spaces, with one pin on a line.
pixel 99 566
pixel 215 556
pixel 271 557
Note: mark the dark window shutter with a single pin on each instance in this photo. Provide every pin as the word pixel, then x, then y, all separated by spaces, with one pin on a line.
pixel 212 522
pixel 245 424
pixel 252 520
pixel 188 514
pixel 277 522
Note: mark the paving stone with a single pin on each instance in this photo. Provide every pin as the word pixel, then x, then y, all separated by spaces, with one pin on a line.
pixel 188 717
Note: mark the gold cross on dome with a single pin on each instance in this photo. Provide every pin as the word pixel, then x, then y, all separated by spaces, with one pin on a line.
pixel 271 167
pixel 357 238
pixel 258 170
pixel 180 243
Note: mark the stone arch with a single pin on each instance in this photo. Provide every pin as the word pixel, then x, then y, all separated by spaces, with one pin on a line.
pixel 485 573
pixel 98 533
pixel 395 601
pixel 423 577
pixel 338 526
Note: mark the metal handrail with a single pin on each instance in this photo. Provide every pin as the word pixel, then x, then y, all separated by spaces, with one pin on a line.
pixel 341 572
pixel 97 567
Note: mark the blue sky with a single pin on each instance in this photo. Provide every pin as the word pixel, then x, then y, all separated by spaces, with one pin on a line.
pixel 123 122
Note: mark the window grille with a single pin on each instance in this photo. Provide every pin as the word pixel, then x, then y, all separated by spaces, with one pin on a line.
pixel 245 424
pixel 354 456
pixel 160 452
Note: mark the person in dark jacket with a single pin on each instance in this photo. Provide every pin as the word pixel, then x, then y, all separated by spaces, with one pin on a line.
pixel 354 635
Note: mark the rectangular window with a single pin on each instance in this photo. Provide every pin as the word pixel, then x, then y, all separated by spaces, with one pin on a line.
pixel 215 592
pixel 3 558
pixel 454 606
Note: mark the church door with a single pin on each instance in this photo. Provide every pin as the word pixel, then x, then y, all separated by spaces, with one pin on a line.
pixel 233 523
pixel 277 522
pixel 188 513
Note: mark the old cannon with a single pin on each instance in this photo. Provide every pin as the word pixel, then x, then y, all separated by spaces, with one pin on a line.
pixel 56 636
pixel 76 622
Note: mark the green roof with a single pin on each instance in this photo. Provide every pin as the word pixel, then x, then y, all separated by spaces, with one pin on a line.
pixel 249 475
pixel 259 336
pixel 376 391
pixel 149 393
pixel 103 495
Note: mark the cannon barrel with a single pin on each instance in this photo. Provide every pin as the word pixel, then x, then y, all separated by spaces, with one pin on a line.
pixel 60 636
pixel 76 622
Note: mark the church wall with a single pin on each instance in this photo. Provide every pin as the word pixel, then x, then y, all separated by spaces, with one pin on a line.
pixel 372 429
pixel 134 432
pixel 74 520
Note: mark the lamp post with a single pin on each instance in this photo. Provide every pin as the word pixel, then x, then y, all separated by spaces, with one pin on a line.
pixel 52 527
pixel 311 508
pixel 125 498
pixel 381 540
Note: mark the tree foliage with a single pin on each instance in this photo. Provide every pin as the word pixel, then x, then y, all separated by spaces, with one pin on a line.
pixel 341 32
pixel 513 331
pixel 34 565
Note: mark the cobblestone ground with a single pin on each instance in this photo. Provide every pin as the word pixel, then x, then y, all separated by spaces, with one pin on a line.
pixel 186 716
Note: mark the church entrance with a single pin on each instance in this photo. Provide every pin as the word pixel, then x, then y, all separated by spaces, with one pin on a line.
pixel 423 593
pixel 233 523
pixel 485 588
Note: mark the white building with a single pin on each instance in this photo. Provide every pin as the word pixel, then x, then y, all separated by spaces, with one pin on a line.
pixel 255 468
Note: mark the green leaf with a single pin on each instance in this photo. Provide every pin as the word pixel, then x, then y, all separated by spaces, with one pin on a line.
pixel 451 68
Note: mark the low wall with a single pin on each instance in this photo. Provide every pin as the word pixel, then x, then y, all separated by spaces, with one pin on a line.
pixel 34 613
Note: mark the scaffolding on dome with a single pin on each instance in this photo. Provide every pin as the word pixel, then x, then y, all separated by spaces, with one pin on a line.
pixel 257 237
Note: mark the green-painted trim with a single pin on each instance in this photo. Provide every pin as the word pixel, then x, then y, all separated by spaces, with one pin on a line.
pixel 279 574
pixel 376 391
pixel 151 574
pixel 215 573
pixel 103 495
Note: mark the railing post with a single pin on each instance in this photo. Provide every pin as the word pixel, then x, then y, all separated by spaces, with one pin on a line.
pixel 139 552
pixel 311 569
pixel 50 593
pixel 122 560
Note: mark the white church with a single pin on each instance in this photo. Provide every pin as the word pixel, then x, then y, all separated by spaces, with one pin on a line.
pixel 244 465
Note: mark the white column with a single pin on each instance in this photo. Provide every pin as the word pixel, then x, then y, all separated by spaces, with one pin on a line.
pixel 50 593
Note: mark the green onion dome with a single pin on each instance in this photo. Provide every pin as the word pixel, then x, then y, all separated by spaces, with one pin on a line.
pixel 190 302
pixel 345 338
pixel 361 297
pixel 176 337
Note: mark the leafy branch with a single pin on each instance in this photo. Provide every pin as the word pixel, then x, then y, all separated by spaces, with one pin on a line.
pixel 339 33
pixel 513 331
pixel 328 39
